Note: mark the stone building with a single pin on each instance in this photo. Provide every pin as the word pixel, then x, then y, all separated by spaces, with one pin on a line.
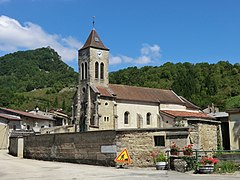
pixel 99 105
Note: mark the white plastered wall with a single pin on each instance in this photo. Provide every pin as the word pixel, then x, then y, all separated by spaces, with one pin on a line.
pixel 134 109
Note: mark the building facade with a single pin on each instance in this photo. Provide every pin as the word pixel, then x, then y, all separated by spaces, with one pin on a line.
pixel 99 105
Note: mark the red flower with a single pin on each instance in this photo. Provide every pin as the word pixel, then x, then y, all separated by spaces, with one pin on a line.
pixel 208 160
pixel 188 148
pixel 174 147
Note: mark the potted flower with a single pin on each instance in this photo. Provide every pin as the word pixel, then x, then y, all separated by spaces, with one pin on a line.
pixel 207 164
pixel 174 149
pixel 159 159
pixel 187 150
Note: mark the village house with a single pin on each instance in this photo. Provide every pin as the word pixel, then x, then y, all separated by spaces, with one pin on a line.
pixel 15 120
pixel 18 120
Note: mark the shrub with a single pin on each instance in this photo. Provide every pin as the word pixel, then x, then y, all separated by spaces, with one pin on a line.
pixel 225 167
pixel 158 157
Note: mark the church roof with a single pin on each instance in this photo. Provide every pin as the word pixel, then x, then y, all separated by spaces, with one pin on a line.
pixel 94 40
pixel 134 93
pixel 188 104
pixel 186 114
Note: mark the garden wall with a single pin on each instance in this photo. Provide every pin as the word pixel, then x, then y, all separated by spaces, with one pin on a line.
pixel 140 143
pixel 102 147
pixel 204 134
pixel 87 147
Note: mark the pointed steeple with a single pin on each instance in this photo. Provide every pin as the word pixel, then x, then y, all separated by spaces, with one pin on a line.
pixel 94 41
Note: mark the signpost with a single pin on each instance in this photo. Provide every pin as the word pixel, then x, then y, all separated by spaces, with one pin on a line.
pixel 123 157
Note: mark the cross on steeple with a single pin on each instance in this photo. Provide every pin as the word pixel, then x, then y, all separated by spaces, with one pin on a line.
pixel 93 22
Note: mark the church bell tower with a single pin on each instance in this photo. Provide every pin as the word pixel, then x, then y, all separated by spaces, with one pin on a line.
pixel 93 60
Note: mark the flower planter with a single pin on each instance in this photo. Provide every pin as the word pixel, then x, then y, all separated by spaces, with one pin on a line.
pixel 187 153
pixel 175 153
pixel 161 165
pixel 206 169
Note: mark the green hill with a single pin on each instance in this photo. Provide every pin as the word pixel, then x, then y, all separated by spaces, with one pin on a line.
pixel 24 74
pixel 40 77
pixel 201 83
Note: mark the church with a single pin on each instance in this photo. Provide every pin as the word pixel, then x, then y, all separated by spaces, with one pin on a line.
pixel 99 105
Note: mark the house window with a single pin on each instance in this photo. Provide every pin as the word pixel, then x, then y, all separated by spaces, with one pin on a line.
pixel 96 69
pixel 159 141
pixel 148 118
pixel 14 127
pixel 126 117
pixel 102 71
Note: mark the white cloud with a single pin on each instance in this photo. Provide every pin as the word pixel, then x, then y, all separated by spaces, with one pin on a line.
pixel 115 60
pixel 148 54
pixel 143 60
pixel 151 51
pixel 14 36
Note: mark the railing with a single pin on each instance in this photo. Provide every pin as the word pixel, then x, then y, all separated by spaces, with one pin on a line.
pixel 224 155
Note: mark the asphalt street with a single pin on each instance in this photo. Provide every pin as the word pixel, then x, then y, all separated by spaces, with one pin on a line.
pixel 18 168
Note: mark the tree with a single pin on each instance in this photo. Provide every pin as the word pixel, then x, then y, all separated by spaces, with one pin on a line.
pixel 55 104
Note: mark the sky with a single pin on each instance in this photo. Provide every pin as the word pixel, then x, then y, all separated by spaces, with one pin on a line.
pixel 137 32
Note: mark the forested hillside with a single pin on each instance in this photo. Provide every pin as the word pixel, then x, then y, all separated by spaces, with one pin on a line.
pixel 201 83
pixel 40 77
pixel 27 71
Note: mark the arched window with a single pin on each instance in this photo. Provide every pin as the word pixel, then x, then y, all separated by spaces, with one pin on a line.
pixel 102 71
pixel 126 117
pixel 86 70
pixel 82 71
pixel 148 118
pixel 96 69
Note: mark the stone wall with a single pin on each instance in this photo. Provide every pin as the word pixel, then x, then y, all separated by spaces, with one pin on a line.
pixel 140 143
pixel 102 147
pixel 203 134
pixel 16 146
pixel 13 146
pixel 72 147
pixel 208 136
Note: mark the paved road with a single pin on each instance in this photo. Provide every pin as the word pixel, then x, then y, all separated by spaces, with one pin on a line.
pixel 17 168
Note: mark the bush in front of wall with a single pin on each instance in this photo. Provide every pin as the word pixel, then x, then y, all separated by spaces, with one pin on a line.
pixel 226 167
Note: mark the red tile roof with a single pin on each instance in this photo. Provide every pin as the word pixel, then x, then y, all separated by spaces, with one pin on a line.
pixel 94 40
pixel 26 114
pixel 104 91
pixel 186 114
pixel 133 93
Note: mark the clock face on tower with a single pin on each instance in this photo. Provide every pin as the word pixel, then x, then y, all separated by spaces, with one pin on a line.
pixel 99 53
